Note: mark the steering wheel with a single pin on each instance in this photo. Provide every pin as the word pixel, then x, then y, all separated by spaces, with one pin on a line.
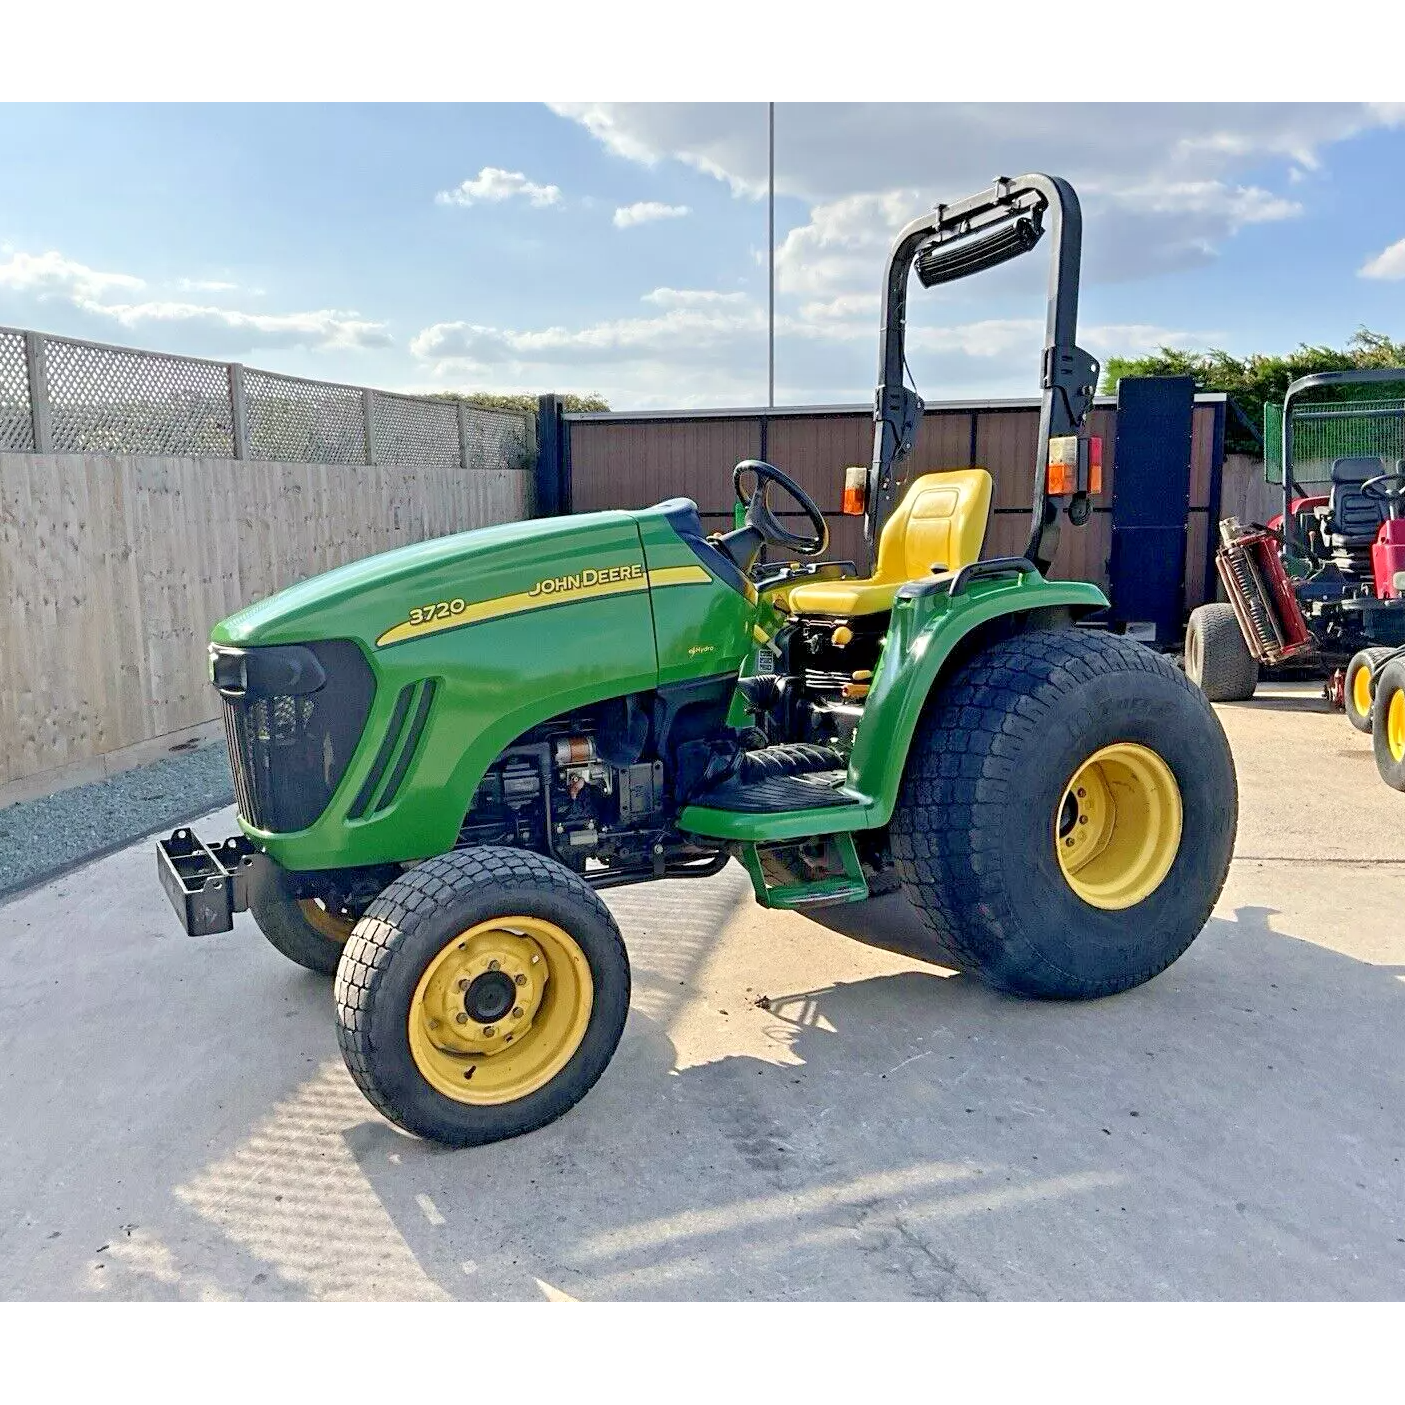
pixel 762 519
pixel 1377 490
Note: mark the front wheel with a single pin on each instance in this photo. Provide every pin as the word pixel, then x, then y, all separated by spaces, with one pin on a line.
pixel 1217 660
pixel 306 930
pixel 1388 734
pixel 481 996
pixel 1067 815
pixel 1356 687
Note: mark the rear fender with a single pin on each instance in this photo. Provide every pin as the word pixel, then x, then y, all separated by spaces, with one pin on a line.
pixel 930 635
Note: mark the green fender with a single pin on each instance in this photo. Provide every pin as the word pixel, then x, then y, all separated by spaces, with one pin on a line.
pixel 925 630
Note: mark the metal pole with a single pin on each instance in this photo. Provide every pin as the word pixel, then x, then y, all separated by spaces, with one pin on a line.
pixel 771 246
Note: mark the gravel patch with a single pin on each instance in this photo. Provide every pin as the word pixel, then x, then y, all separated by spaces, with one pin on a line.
pixel 44 837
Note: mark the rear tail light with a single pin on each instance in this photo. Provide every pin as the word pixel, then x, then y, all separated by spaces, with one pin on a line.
pixel 855 491
pixel 1075 465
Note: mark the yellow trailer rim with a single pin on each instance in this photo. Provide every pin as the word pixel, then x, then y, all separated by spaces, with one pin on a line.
pixel 1361 692
pixel 1395 725
pixel 332 925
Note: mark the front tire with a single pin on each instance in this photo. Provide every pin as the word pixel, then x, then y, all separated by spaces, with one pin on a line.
pixel 1388 734
pixel 1217 660
pixel 481 996
pixel 305 930
pixel 1066 816
pixel 1356 687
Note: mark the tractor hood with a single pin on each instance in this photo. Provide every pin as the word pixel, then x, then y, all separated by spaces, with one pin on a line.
pixel 414 590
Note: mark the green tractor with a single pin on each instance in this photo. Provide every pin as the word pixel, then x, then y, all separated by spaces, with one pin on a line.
pixel 443 754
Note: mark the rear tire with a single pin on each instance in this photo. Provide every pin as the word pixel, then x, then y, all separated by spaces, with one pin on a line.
pixel 1388 734
pixel 304 930
pixel 433 1052
pixel 1356 687
pixel 985 808
pixel 1217 660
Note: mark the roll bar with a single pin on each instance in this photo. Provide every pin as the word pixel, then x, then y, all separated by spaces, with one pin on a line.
pixel 955 241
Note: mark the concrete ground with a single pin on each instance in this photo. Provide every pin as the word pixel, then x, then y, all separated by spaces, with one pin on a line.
pixel 178 1123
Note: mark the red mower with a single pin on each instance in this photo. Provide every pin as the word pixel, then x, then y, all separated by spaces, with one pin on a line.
pixel 1322 584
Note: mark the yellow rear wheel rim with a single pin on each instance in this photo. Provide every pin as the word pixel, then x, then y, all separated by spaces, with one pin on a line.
pixel 1361 692
pixel 500 1010
pixel 1117 828
pixel 333 925
pixel 1395 725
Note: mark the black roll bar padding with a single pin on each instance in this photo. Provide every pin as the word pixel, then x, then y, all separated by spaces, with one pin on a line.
pixel 985 229
pixel 1319 378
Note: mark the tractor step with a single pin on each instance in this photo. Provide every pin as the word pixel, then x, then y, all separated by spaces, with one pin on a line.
pixel 773 795
pixel 806 873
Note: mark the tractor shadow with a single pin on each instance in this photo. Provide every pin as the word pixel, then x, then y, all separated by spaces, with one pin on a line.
pixel 1230 1130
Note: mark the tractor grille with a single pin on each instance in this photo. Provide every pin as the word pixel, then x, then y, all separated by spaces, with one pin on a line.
pixel 288 753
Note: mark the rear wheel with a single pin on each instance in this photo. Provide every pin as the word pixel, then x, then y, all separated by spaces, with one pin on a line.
pixel 305 930
pixel 1357 689
pixel 481 996
pixel 1217 660
pixel 1067 815
pixel 1388 734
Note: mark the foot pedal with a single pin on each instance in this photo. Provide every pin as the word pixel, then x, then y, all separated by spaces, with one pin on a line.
pixel 806 872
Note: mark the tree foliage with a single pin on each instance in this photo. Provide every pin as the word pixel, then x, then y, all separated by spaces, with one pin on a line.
pixel 1253 380
pixel 526 404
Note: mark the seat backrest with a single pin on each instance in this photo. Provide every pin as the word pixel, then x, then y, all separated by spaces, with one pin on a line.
pixel 941 521
pixel 1353 514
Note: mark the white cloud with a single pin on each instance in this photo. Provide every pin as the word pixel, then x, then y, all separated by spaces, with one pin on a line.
pixel 646 211
pixel 51 274
pixel 224 329
pixel 205 285
pixel 692 297
pixel 493 185
pixel 1389 263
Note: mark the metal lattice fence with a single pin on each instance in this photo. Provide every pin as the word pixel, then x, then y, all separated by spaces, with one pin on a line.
pixel 407 431
pixel 83 397
pixel 16 421
pixel 297 421
pixel 107 400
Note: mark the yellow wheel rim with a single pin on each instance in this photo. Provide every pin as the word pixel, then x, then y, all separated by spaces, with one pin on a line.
pixel 332 925
pixel 1395 725
pixel 1118 827
pixel 1361 692
pixel 500 1010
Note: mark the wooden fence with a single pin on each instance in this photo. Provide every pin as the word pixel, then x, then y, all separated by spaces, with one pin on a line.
pixel 625 460
pixel 114 568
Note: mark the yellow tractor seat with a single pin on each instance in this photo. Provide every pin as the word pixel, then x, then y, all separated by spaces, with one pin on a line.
pixel 939 523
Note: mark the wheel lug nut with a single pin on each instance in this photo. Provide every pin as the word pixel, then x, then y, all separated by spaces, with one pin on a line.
pixel 535 959
pixel 1083 819
pixel 463 984
pixel 489 1032
pixel 492 965
pixel 1081 792
pixel 517 1012
pixel 461 1017
pixel 521 980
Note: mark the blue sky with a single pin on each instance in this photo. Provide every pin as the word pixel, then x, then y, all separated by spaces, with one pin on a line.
pixel 483 248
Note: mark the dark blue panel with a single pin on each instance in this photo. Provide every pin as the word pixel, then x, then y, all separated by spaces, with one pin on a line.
pixel 1150 504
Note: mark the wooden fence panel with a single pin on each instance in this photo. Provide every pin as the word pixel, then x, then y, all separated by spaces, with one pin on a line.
pixel 113 569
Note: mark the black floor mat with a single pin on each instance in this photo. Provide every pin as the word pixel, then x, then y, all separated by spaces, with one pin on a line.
pixel 818 789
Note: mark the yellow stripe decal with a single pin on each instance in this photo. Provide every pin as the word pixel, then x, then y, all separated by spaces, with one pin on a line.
pixel 457 613
pixel 679 575
pixel 517 604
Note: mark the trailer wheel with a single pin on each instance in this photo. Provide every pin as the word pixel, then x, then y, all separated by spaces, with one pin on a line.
pixel 1217 660
pixel 1388 734
pixel 303 929
pixel 481 996
pixel 1356 688
pixel 1066 815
